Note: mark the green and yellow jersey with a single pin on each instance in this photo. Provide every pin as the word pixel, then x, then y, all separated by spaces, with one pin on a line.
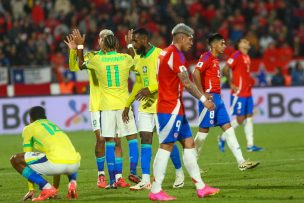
pixel 145 68
pixel 112 70
pixel 46 137
pixel 94 84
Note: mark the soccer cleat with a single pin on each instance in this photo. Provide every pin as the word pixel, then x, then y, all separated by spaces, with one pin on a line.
pixel 160 196
pixel 248 165
pixel 221 143
pixel 101 181
pixel 113 186
pixel 254 148
pixel 72 194
pixel 134 178
pixel 179 181
pixel 141 185
pixel 45 194
pixel 207 191
pixel 121 183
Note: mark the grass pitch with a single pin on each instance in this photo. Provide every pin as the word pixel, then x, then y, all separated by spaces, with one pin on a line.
pixel 279 178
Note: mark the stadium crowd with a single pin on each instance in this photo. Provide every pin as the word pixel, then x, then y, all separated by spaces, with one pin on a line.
pixel 32 31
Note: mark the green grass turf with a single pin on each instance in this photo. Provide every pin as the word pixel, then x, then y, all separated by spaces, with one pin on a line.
pixel 279 178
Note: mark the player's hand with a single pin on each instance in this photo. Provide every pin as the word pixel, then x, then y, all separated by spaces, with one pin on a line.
pixel 129 36
pixel 125 115
pixel 234 88
pixel 70 42
pixel 209 105
pixel 78 39
pixel 29 195
pixel 208 96
pixel 143 94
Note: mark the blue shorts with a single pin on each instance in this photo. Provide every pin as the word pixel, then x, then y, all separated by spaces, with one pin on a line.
pixel 218 117
pixel 171 128
pixel 241 106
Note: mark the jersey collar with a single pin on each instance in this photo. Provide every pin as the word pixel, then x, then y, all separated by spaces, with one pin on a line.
pixel 111 52
pixel 149 52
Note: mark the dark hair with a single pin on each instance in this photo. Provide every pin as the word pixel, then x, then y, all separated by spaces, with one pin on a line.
pixel 37 112
pixel 214 37
pixel 110 41
pixel 142 31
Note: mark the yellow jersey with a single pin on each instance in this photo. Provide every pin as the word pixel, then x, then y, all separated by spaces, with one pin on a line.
pixel 94 84
pixel 112 71
pixel 145 68
pixel 46 137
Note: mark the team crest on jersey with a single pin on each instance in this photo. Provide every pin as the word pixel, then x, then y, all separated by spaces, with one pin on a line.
pixel 175 135
pixel 230 61
pixel 200 64
pixel 145 69
pixel 211 122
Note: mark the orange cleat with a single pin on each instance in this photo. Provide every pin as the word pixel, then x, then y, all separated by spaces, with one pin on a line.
pixel 101 181
pixel 45 194
pixel 72 194
pixel 122 183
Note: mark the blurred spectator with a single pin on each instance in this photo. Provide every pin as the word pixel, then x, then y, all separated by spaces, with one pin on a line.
pixel 278 78
pixel 287 77
pixel 67 86
pixel 298 75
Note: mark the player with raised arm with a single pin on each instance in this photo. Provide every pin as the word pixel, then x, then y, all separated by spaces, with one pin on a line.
pixel 207 79
pixel 241 94
pixel 47 151
pixel 172 124
pixel 112 70
pixel 145 89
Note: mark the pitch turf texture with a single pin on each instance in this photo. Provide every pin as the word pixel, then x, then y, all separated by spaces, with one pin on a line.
pixel 279 178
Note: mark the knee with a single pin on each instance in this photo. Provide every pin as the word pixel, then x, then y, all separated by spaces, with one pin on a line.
pixel 146 139
pixel 117 142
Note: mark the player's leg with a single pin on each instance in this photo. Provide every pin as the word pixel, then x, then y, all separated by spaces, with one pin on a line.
pixel 129 131
pixel 99 149
pixel 190 160
pixel 108 123
pixel 72 171
pixel 179 173
pixel 248 126
pixel 22 166
pixel 167 127
pixel 120 181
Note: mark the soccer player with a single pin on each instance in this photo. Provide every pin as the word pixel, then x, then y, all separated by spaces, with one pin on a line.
pixel 241 94
pixel 207 79
pixel 145 89
pixel 54 155
pixel 172 124
pixel 112 70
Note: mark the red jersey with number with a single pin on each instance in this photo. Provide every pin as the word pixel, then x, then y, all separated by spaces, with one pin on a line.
pixel 239 63
pixel 208 66
pixel 171 62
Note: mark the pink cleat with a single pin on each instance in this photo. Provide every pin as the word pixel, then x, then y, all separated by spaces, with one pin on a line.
pixel 161 196
pixel 72 193
pixel 207 191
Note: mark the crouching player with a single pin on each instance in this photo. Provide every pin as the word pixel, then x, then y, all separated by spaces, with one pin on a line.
pixel 55 155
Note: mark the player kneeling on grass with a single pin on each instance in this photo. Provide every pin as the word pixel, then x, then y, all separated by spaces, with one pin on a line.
pixel 55 155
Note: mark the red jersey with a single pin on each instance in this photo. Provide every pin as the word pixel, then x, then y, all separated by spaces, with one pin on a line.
pixel 208 66
pixel 240 66
pixel 171 62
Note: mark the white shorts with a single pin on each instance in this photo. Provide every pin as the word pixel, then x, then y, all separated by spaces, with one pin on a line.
pixel 112 122
pixel 95 120
pixel 41 165
pixel 146 122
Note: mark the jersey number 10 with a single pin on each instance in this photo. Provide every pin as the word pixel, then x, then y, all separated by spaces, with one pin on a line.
pixel 109 76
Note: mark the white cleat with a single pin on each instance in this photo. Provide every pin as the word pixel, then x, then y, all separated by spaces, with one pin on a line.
pixel 179 181
pixel 248 165
pixel 141 186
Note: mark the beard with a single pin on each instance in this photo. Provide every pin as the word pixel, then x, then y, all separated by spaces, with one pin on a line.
pixel 141 51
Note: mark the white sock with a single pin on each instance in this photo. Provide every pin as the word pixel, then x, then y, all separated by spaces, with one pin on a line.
pixel 191 165
pixel 234 123
pixel 199 140
pixel 248 128
pixel 47 186
pixel 233 145
pixel 146 178
pixel 101 173
pixel 179 172
pixel 159 169
pixel 117 176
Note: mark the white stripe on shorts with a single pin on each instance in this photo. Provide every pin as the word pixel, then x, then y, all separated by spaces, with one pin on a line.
pixel 202 115
pixel 163 134
pixel 235 98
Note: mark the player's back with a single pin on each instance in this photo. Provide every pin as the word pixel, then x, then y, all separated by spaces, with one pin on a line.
pixel 112 70
pixel 48 138
pixel 170 89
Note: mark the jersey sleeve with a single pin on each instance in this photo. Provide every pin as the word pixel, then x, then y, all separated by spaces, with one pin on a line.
pixel 136 88
pixel 27 140
pixel 130 62
pixel 231 62
pixel 73 63
pixel 202 64
pixel 176 64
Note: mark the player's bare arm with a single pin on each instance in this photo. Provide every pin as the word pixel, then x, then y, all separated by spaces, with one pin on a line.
pixel 79 40
pixel 197 81
pixel 129 39
pixel 70 42
pixel 193 90
pixel 226 72
pixel 143 94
